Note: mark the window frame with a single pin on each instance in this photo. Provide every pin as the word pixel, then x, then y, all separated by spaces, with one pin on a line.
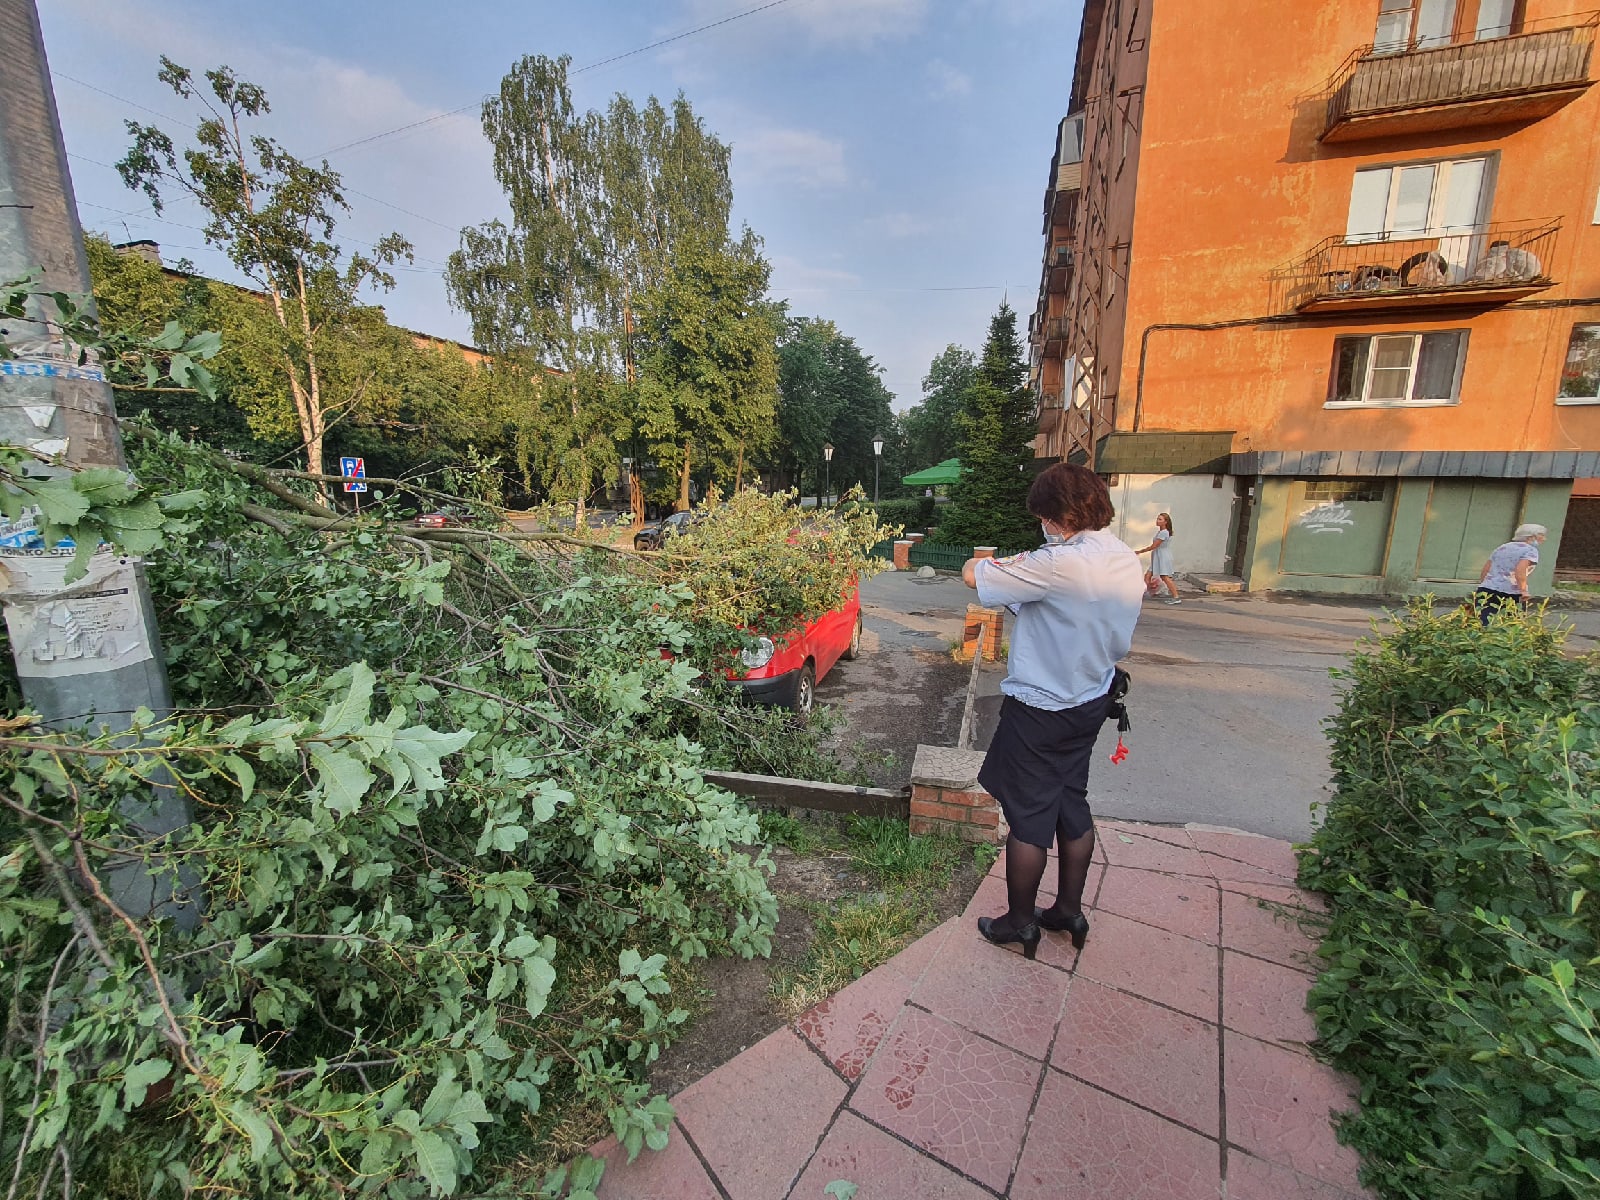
pixel 1566 401
pixel 1409 401
pixel 1438 198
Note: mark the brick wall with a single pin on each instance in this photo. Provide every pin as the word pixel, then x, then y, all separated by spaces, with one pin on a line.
pixel 946 796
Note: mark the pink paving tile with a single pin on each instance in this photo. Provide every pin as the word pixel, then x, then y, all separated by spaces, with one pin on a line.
pixel 1232 870
pixel 1148 854
pixel 949 1092
pixel 1173 835
pixel 881 1167
pixel 1269 854
pixel 1179 903
pixel 990 898
pixel 1280 1105
pixel 671 1174
pixel 1165 967
pixel 1142 1052
pixel 1002 996
pixel 1268 930
pixel 1290 896
pixel 1056 948
pixel 1251 1179
pixel 1086 1145
pixel 757 1117
pixel 1265 1000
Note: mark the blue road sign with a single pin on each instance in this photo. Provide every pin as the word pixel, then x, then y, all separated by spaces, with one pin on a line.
pixel 354 471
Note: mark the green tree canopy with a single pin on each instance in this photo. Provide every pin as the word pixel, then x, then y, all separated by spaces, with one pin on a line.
pixel 930 427
pixel 274 216
pixel 830 392
pixel 995 432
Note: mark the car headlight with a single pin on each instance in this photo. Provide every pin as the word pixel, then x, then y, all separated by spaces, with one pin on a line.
pixel 758 655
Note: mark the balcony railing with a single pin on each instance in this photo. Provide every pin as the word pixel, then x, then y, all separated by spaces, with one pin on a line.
pixel 1468 264
pixel 1384 91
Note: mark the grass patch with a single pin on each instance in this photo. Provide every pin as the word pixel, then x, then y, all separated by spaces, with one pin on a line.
pixel 885 847
pixel 850 939
pixel 1577 585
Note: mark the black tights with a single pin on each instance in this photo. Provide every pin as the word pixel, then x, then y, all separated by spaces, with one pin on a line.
pixel 1025 865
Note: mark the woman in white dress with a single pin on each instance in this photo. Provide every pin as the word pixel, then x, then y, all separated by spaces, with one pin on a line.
pixel 1160 551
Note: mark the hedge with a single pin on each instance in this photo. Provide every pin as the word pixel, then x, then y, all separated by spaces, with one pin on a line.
pixel 1460 855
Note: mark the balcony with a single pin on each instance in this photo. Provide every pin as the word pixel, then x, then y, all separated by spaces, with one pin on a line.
pixel 1053 336
pixel 1462 266
pixel 1520 77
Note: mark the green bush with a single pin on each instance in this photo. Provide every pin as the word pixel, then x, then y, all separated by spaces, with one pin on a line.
pixel 915 514
pixel 1459 856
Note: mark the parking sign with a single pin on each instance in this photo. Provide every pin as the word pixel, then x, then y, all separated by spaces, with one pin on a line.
pixel 354 471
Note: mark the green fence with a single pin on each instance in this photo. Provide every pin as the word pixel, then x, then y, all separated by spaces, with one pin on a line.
pixel 883 550
pixel 940 557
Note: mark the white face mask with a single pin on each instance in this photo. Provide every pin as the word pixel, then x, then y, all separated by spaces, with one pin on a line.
pixel 1051 538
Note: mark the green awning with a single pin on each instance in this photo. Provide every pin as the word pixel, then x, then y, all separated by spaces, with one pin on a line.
pixel 946 472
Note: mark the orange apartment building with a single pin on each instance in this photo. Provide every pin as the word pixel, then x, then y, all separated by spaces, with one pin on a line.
pixel 1322 279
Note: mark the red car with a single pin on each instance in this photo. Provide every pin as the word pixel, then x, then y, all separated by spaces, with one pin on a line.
pixel 785 671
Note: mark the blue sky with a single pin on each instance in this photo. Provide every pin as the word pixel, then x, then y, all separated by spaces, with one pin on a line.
pixel 893 154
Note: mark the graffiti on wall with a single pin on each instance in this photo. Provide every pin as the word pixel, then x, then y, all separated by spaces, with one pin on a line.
pixel 1333 517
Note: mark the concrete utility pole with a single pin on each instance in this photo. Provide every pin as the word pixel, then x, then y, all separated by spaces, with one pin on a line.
pixel 88 650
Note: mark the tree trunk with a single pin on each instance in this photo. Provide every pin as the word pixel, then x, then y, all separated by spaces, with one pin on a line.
pixel 683 480
pixel 636 496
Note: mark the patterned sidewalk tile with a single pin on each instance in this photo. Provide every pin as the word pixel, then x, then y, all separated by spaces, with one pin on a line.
pixel 1173 835
pixel 848 1026
pixel 1165 967
pixel 883 1168
pixel 757 1117
pixel 1177 903
pixel 1267 854
pixel 1149 854
pixel 1086 1145
pixel 1268 930
pixel 949 1092
pixel 1265 1000
pixel 1280 1106
pixel 1000 995
pixel 671 1174
pixel 1251 1179
pixel 1138 1050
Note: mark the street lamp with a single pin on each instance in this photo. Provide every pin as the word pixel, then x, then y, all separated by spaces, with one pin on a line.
pixel 877 460
pixel 827 468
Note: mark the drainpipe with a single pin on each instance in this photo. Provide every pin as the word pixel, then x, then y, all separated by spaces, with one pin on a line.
pixel 88 653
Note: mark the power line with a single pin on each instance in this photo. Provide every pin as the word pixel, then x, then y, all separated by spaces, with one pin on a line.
pixel 677 37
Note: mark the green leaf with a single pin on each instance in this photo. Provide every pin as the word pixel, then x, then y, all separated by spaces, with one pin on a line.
pixel 244 773
pixel 841 1189
pixel 538 978
pixel 436 1161
pixel 59 502
pixel 350 711
pixel 1564 974
pixel 342 779
pixel 138 1078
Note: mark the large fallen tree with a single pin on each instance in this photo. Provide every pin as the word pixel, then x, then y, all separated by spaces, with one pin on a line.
pixel 453 842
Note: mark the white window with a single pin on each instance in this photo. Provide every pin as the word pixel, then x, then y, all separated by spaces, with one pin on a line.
pixel 1580 374
pixel 1394 369
pixel 1417 200
pixel 1424 24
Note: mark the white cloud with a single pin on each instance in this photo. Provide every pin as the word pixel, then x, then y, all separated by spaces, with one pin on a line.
pixel 948 80
pixel 902 225
pixel 855 23
pixel 790 275
pixel 798 157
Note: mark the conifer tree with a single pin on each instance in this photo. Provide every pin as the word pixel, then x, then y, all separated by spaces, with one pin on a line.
pixel 995 429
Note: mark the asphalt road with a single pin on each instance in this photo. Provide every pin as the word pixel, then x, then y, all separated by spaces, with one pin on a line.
pixel 1228 700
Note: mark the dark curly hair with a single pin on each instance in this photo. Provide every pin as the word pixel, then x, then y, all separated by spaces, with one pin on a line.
pixel 1071 496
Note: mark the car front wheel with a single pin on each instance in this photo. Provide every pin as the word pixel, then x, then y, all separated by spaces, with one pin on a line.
pixel 803 695
pixel 853 651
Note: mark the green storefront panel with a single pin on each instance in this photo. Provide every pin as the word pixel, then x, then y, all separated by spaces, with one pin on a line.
pixel 1467 518
pixel 1337 526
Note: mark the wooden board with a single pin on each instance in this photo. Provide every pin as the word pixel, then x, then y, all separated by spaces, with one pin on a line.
pixel 806 793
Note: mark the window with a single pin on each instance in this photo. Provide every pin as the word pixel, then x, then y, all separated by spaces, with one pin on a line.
pixel 1580 374
pixel 1417 200
pixel 1423 24
pixel 1345 491
pixel 1391 369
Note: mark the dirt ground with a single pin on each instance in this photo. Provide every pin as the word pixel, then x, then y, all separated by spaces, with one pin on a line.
pixel 737 1007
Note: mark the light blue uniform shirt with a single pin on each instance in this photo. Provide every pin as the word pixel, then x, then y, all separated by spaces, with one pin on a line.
pixel 1076 604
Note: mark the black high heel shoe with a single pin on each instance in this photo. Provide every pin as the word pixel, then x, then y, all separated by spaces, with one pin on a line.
pixel 1028 935
pixel 1077 926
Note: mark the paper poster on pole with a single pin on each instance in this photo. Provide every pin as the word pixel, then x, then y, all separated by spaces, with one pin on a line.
pixel 58 630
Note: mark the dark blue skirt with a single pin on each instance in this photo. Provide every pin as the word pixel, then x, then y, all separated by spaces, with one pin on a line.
pixel 1038 768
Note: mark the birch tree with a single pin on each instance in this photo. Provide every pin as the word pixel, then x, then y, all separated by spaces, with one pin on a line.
pixel 274 216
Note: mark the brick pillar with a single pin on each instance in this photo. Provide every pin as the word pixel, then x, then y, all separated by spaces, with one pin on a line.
pixel 902 555
pixel 990 619
pixel 946 796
